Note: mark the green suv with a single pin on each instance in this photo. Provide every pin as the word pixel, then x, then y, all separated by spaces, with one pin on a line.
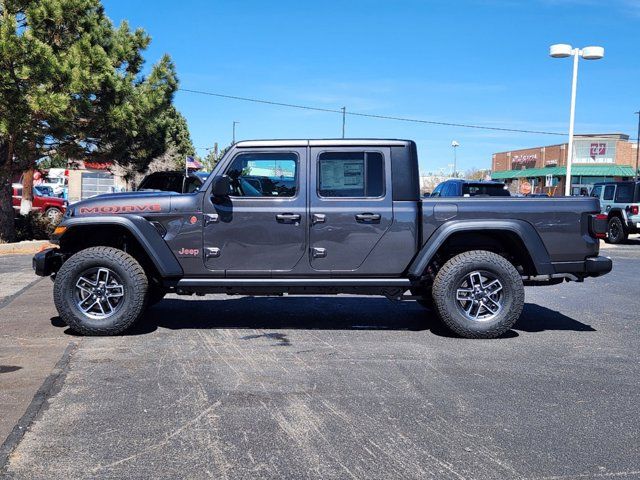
pixel 620 201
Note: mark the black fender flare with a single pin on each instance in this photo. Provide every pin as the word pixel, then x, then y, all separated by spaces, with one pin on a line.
pixel 524 230
pixel 145 233
pixel 615 212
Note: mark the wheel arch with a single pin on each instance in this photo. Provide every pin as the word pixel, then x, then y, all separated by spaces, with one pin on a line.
pixel 516 238
pixel 136 236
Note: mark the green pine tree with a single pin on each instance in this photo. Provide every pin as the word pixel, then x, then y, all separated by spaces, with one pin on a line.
pixel 71 85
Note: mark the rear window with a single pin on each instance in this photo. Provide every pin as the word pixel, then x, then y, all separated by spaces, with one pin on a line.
pixel 485 190
pixel 624 193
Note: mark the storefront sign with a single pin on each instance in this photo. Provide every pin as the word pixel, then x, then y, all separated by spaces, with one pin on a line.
pixel 527 161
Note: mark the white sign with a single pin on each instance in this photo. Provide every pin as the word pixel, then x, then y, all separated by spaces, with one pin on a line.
pixel 341 175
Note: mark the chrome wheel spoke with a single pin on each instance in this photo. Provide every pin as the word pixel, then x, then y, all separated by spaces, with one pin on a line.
pixel 99 293
pixel 479 296
pixel 464 294
pixel 114 291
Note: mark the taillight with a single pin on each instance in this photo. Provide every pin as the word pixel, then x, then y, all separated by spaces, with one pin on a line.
pixel 633 209
pixel 598 227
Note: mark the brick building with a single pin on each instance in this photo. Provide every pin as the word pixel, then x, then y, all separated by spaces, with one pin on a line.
pixel 596 158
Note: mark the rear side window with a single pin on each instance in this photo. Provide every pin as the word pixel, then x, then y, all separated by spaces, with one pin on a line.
pixel 351 174
pixel 487 190
pixel 624 193
pixel 608 192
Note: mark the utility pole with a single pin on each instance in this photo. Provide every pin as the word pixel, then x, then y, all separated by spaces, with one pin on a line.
pixel 637 145
pixel 344 114
pixel 455 145
pixel 233 142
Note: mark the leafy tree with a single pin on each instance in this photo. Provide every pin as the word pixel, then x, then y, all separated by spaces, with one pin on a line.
pixel 71 85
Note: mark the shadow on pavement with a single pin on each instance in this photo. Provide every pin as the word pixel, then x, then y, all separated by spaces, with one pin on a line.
pixel 326 313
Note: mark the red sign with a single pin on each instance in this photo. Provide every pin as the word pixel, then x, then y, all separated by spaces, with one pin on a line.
pixel 598 149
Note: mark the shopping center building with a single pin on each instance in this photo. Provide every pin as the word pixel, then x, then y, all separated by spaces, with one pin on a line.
pixel 596 158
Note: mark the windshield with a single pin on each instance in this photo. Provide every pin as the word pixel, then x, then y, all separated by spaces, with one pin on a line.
pixel 163 182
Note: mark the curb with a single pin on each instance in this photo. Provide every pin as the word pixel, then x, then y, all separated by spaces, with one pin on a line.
pixel 24 248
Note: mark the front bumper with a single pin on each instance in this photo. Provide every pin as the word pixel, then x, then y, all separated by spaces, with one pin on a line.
pixel 47 262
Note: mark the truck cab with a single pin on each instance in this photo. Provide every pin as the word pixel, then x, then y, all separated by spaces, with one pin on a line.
pixel 291 217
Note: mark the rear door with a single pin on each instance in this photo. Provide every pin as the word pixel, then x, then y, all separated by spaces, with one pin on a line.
pixel 350 205
pixel 260 229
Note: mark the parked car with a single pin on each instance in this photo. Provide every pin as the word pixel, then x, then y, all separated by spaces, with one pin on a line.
pixel 348 218
pixel 620 201
pixel 53 208
pixel 178 182
pixel 470 188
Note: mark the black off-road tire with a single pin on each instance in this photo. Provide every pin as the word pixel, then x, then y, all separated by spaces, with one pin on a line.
pixel 451 275
pixel 134 281
pixel 616 232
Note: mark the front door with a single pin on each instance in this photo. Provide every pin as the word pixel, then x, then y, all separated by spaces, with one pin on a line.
pixel 350 205
pixel 260 228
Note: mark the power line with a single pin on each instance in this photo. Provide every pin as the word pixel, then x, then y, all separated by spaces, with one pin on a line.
pixel 369 115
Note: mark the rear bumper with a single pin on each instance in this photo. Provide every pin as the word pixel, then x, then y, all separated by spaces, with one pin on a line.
pixel 47 262
pixel 596 266
pixel 590 267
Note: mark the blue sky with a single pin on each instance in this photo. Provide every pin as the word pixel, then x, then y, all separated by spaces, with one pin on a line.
pixel 478 62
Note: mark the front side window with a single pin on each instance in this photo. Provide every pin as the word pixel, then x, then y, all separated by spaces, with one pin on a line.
pixel 263 175
pixel 596 191
pixel 608 192
pixel 351 174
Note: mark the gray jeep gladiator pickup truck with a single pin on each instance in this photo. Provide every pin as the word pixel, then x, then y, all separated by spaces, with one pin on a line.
pixel 315 217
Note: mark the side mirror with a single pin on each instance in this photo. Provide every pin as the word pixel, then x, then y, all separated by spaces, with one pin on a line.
pixel 220 186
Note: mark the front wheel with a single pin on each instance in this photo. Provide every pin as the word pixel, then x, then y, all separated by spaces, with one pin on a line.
pixel 100 291
pixel 478 294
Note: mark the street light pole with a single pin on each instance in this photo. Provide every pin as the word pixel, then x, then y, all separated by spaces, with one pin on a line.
pixel 562 50
pixel 572 117
pixel 455 145
pixel 233 141
pixel 344 114
pixel 637 175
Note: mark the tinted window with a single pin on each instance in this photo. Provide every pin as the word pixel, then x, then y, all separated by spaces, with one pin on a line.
pixel 438 190
pixel 608 192
pixel 485 189
pixel 351 174
pixel 597 190
pixel 263 175
pixel 624 193
pixel 163 181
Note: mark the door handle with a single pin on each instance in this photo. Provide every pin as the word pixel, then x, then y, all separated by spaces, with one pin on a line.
pixel 368 218
pixel 318 218
pixel 288 217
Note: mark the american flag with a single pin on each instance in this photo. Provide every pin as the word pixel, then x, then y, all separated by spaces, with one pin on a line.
pixel 193 164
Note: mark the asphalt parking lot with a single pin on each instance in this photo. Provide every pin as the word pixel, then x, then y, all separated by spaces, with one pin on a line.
pixel 321 387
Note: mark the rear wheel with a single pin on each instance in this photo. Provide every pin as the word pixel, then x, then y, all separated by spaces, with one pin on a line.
pixel 478 294
pixel 616 232
pixel 100 291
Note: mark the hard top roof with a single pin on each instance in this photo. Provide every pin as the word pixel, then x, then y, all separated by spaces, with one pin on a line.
pixel 325 142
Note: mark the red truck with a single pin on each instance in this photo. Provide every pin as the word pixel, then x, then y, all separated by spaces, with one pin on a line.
pixel 52 208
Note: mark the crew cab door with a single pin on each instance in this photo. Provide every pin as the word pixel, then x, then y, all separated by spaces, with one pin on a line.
pixel 261 227
pixel 350 205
